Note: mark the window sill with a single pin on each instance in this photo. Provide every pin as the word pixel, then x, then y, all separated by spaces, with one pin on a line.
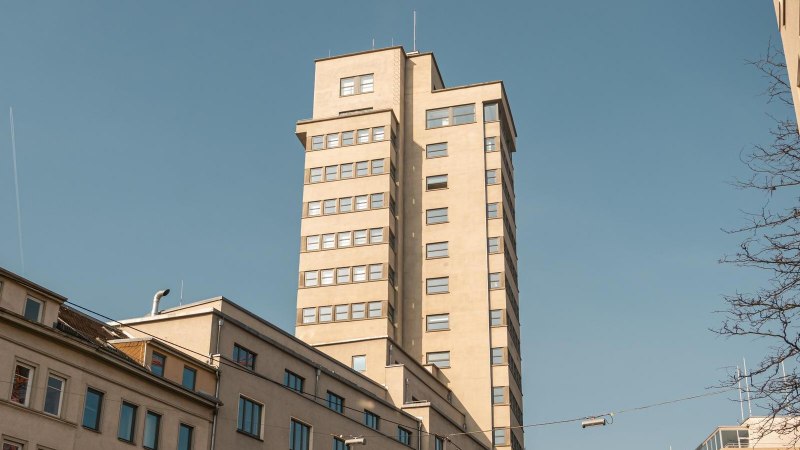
pixel 252 436
pixel 436 331
pixel 449 126
pixel 436 257
pixel 437 293
pixel 126 442
pixel 437 223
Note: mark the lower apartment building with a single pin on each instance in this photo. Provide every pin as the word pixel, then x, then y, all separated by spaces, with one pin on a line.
pixel 207 375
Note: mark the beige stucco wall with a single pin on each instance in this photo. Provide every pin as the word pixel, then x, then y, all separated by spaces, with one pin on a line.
pixel 787 14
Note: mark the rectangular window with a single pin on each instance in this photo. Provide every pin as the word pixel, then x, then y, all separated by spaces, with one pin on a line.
pixel 375 309
pixel 376 235
pixel 492 210
pixel 376 201
pixel 314 208
pixel 244 357
pixel 345 204
pixel 347 170
pixel 347 86
pixel 360 363
pixel 21 388
pixel 293 381
pixel 436 118
pixel 360 237
pixel 9 445
pixel 491 176
pixel 185 434
pixel 325 313
pixel 328 241
pixel 375 271
pixel 157 363
pixel 347 138
pixel 490 113
pixel 363 136
pixel 494 245
pixel 338 444
pixel 358 310
pixel 438 443
pixel 456 115
pixel 404 436
pixel 372 420
pixel 436 182
pixel 490 144
pixel 437 285
pixel 498 355
pixel 391 278
pixel 127 422
pixel 249 421
pixel 342 275
pixel 333 140
pixel 463 114
pixel 434 216
pixel 345 239
pixel 33 310
pixel 366 83
pixel 436 150
pixel 317 143
pixel 438 359
pixel 342 312
pixel 436 250
pixel 438 322
pixel 309 315
pixel 335 402
pixel 189 378
pixel 360 273
pixel 315 175
pixel 377 166
pixel 54 395
pixel 496 317
pixel 362 203
pixel 331 173
pixel 92 408
pixel 499 437
pixel 498 395
pixel 377 134
pixel 312 242
pixel 362 168
pixel 329 207
pixel 310 278
pixel 494 280
pixel 326 277
pixel 299 436
pixel 152 427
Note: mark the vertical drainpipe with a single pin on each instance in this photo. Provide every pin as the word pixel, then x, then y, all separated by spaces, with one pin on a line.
pixel 419 433
pixel 216 390
pixel 316 385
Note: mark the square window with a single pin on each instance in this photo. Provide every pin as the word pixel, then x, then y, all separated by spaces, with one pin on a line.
pixel 494 280
pixel 317 143
pixel 436 150
pixel 490 113
pixel 342 312
pixel 333 140
pixel 328 241
pixel 325 313
pixel 403 436
pixel 362 203
pixel 363 136
pixel 366 83
pixel 437 285
pixel 434 216
pixel 358 310
pixel 377 134
pixel 377 166
pixel 360 273
pixel 463 114
pixel 346 204
pixel 375 309
pixel 244 357
pixel 375 271
pixel 33 310
pixel 331 173
pixel 315 175
pixel 436 118
pixel 335 402
pixel 310 278
pixel 314 208
pixel 329 207
pixel 293 381
pixel 362 168
pixel 498 395
pixel 376 235
pixel 436 250
pixel 360 363
pixel 490 144
pixel 371 420
pixel 343 275
pixel 309 315
pixel 347 138
pixel 438 322
pixel 326 277
pixel 438 359
pixel 360 237
pixel 345 239
pixel 494 245
pixel 498 355
pixel 492 210
pixel 436 182
pixel 499 437
pixel 496 317
pixel 347 86
pixel 347 170
pixel 376 201
pixel 491 176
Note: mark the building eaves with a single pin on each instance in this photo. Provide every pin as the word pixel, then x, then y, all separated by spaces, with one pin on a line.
pixel 345 55
pixel 31 285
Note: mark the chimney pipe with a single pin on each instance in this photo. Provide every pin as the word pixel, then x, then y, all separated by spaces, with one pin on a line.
pixel 156 299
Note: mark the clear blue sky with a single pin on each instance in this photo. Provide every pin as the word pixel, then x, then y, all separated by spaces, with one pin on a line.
pixel 156 143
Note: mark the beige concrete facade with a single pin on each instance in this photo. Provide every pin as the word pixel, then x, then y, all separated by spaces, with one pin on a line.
pixel 450 307
pixel 753 432
pixel 50 363
pixel 787 13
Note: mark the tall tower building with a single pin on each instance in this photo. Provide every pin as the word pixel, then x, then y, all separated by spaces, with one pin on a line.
pixel 408 247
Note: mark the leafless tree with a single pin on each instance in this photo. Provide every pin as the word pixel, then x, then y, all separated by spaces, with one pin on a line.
pixel 771 242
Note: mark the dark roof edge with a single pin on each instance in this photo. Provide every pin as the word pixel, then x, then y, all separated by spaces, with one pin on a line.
pixel 374 50
pixel 323 119
pixel 30 284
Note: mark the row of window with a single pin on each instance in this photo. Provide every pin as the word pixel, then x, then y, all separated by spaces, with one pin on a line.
pixel 457 115
pixel 502 395
pixel 441 285
pixel 442 359
pixel 354 311
pixel 93 410
pixel 441 322
pixel 158 363
pixel 345 275
pixel 361 84
pixel 345 239
pixel 347 171
pixel 346 204
pixel 439 149
pixel 345 138
pixel 441 249
pixel 440 215
pixel 436 182
pixel 501 438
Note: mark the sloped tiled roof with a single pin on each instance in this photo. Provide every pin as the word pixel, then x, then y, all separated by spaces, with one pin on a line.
pixel 87 327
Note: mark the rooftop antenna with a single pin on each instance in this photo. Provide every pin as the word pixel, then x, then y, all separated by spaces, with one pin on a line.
pixel 747 386
pixel 180 301
pixel 415 30
pixel 16 187
pixel 741 402
pixel 373 43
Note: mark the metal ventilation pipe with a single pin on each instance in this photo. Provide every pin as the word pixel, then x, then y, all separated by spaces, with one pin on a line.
pixel 156 299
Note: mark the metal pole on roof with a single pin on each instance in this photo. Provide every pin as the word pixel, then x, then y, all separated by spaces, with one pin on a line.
pixel 741 403
pixel 415 30
pixel 747 385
